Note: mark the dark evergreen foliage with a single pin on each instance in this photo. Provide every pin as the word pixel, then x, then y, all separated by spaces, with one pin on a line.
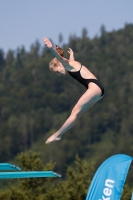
pixel 34 102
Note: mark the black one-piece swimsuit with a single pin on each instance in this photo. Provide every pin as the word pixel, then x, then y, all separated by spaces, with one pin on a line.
pixel 84 81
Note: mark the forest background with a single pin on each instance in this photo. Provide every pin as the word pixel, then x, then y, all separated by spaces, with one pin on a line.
pixel 34 103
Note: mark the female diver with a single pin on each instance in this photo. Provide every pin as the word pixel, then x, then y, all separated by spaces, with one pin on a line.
pixel 94 92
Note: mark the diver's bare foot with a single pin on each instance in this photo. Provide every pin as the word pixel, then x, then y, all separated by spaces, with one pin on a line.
pixel 53 138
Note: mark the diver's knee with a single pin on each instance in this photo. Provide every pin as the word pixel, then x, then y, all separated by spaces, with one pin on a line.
pixel 76 112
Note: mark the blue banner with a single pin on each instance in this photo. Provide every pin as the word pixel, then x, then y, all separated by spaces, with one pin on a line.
pixel 132 196
pixel 108 181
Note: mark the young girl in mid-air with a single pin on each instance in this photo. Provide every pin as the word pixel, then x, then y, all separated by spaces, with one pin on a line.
pixel 94 92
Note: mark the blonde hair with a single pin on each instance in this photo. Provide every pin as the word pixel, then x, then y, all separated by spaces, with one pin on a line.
pixel 54 62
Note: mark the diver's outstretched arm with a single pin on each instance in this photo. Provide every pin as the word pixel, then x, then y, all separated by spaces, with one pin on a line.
pixel 63 60
pixel 70 51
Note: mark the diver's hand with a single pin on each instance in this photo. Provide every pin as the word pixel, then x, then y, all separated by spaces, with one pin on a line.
pixel 48 43
pixel 70 51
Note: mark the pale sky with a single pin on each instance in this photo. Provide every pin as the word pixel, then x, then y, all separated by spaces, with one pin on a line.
pixel 24 21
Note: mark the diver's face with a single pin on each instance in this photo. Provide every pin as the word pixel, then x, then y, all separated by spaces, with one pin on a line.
pixel 60 70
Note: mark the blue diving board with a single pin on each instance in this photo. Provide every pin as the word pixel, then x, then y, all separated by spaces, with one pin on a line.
pixel 28 174
pixel 8 166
